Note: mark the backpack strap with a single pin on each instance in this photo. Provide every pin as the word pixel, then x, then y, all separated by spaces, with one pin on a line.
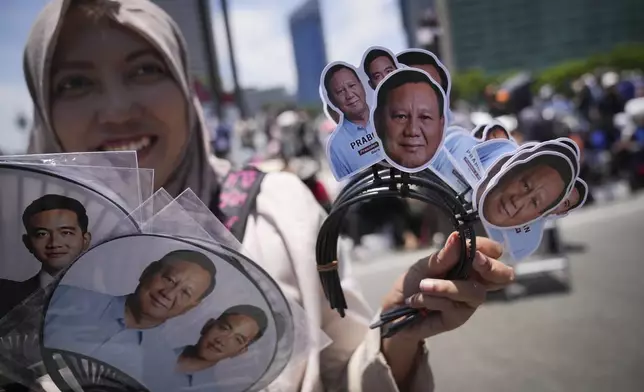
pixel 237 198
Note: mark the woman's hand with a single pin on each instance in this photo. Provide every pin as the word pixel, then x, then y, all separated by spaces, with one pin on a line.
pixel 454 302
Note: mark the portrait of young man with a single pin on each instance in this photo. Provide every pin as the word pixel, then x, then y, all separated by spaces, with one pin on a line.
pixel 353 145
pixel 377 64
pixel 56 233
pixel 409 118
pixel 228 336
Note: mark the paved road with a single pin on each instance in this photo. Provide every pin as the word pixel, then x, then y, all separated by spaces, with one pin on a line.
pixel 589 339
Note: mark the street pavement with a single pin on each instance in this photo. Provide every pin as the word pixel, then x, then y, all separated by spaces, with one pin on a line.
pixel 587 339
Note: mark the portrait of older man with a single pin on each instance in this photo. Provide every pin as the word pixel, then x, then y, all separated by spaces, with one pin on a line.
pixel 353 145
pixel 117 329
pixel 409 118
pixel 528 190
pixel 56 233
pixel 376 65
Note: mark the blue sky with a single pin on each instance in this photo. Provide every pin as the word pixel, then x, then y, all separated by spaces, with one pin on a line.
pixel 261 38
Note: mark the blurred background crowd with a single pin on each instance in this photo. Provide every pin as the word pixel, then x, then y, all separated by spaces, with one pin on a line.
pixel 544 69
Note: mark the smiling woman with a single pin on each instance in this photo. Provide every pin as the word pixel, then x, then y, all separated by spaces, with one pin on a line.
pixel 114 84
pixel 111 91
pixel 118 78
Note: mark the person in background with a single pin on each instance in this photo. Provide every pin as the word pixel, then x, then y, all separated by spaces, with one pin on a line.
pixel 111 73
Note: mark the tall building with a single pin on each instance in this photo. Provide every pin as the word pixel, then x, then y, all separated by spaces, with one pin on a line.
pixel 307 38
pixel 413 14
pixel 193 18
pixel 504 35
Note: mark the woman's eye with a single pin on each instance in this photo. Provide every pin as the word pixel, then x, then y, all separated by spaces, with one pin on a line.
pixel 148 73
pixel 73 86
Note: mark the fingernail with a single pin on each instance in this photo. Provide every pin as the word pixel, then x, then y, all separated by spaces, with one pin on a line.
pixel 479 259
pixel 427 284
pixel 451 239
pixel 408 301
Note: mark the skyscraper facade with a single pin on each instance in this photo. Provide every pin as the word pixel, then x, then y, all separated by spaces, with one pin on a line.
pixel 307 37
pixel 504 35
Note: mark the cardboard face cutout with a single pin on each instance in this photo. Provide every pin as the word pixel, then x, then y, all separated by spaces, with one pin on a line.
pixel 353 145
pixel 525 189
pixel 409 116
pixel 574 201
pixel 428 62
pixel 465 161
pixel 378 62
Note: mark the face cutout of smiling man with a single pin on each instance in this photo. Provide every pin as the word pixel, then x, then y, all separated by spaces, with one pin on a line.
pixel 527 191
pixel 378 64
pixel 116 329
pixel 56 234
pixel 353 145
pixel 228 336
pixel 409 118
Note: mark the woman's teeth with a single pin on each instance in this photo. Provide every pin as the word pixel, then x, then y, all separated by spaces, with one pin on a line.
pixel 137 145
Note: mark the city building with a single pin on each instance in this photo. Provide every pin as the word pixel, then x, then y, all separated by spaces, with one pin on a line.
pixel 307 38
pixel 504 35
pixel 193 18
pixel 417 16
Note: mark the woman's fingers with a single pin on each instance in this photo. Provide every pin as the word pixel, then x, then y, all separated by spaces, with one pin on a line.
pixel 492 270
pixel 469 292
pixel 425 301
pixel 489 247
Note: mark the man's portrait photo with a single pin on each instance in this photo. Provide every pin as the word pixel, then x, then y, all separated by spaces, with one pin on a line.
pixel 228 336
pixel 409 118
pixel 527 186
pixel 428 62
pixel 56 232
pixel 377 64
pixel 161 311
pixel 353 145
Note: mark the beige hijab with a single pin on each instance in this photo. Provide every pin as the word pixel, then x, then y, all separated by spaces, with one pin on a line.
pixel 196 168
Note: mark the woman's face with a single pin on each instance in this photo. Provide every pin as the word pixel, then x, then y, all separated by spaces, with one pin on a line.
pixel 112 91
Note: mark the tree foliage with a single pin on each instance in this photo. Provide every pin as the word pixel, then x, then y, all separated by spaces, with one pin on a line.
pixel 469 85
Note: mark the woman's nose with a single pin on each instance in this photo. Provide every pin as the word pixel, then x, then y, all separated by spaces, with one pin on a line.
pixel 116 106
